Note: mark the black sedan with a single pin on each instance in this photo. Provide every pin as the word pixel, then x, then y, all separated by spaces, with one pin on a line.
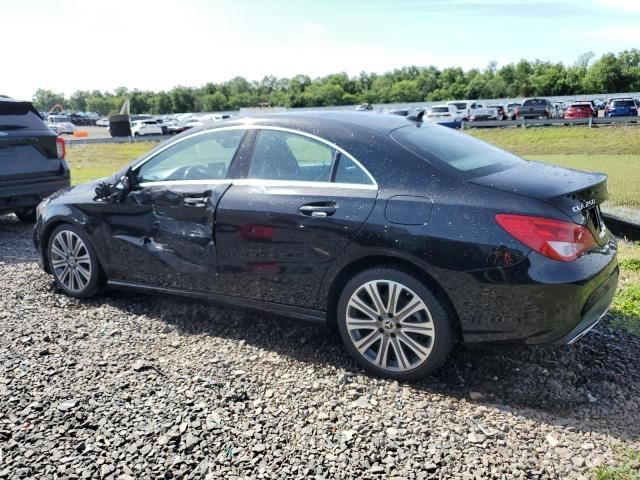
pixel 405 236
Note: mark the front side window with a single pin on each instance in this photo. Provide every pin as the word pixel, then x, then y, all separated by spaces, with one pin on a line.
pixel 287 156
pixel 201 157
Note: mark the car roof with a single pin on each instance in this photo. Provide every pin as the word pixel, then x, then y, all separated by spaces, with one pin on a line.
pixel 313 121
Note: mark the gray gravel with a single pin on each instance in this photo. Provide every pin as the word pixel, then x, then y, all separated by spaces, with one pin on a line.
pixel 133 386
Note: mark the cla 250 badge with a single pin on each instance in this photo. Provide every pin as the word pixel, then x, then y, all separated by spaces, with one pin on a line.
pixel 583 205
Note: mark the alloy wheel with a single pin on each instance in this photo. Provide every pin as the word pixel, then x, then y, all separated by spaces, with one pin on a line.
pixel 70 261
pixel 390 325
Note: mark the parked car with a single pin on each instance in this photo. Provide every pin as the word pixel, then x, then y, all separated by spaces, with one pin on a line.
pixel 401 112
pixel 102 122
pixel 512 109
pixel 445 115
pixel 145 127
pixel 534 108
pixel 403 235
pixel 579 110
pixel 600 104
pixel 364 107
pixel 594 108
pixel 483 114
pixel 464 107
pixel 502 113
pixel 32 164
pixel 61 124
pixel 621 107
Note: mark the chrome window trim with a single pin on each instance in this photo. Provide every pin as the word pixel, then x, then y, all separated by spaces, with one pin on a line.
pixel 257 182
pixel 264 127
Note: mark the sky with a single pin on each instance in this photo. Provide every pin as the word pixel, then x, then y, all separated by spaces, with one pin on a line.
pixel 68 45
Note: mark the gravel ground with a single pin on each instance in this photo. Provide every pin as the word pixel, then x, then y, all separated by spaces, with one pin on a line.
pixel 132 386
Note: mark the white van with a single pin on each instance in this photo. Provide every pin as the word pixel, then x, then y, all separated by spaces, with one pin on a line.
pixel 465 107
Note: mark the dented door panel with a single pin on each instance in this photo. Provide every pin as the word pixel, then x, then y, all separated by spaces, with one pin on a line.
pixel 164 236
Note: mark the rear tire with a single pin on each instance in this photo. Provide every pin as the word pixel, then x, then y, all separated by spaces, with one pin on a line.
pixel 27 215
pixel 393 325
pixel 73 262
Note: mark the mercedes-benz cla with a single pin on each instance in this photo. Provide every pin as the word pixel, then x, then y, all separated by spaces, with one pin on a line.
pixel 405 236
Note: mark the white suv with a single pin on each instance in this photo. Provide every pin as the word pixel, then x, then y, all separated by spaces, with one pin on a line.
pixel 145 127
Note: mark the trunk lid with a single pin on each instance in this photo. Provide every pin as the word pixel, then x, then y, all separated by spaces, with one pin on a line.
pixel 577 194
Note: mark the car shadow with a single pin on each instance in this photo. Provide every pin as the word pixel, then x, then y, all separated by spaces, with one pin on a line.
pixel 591 386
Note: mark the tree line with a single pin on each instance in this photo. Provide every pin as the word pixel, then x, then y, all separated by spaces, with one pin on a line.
pixel 609 73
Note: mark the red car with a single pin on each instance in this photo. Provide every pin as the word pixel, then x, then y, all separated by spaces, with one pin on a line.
pixel 579 110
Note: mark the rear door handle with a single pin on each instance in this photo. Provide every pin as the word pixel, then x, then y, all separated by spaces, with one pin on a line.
pixel 325 210
pixel 194 201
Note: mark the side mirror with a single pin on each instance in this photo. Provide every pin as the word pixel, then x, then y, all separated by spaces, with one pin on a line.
pixel 116 192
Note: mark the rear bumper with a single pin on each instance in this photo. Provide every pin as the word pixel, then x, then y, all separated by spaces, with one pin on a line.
pixel 538 301
pixel 28 192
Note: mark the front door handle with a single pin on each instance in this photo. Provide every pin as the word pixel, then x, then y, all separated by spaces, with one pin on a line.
pixel 194 201
pixel 319 210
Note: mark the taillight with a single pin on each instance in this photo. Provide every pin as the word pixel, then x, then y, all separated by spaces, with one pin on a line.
pixel 60 147
pixel 558 240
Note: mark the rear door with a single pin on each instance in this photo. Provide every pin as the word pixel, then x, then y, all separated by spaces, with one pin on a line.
pixel 278 230
pixel 27 145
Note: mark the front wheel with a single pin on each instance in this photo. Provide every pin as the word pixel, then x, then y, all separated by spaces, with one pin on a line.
pixel 73 262
pixel 394 325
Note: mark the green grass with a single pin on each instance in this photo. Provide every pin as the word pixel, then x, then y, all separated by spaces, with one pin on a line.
pixel 623 172
pixel 626 304
pixel 627 469
pixel 91 161
pixel 577 140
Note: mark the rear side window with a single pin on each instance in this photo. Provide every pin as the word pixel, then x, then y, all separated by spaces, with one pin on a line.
pixel 348 171
pixel 18 116
pixel 454 151
pixel 287 156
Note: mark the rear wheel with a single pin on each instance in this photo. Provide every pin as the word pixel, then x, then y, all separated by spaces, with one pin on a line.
pixel 393 324
pixel 28 215
pixel 73 262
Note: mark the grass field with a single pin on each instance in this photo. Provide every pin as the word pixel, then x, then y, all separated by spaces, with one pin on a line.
pixel 88 162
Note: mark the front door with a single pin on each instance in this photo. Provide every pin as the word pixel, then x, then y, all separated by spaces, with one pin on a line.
pixel 279 230
pixel 162 233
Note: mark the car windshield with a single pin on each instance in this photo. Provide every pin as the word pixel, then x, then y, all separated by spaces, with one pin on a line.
pixel 440 109
pixel 454 151
pixel 534 102
pixel 624 103
pixel 459 105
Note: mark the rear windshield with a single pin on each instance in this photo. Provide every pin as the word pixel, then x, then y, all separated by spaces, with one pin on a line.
pixel 440 109
pixel 454 151
pixel 624 103
pixel 581 105
pixel 535 102
pixel 18 116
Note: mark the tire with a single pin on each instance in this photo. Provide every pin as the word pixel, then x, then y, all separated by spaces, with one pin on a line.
pixel 403 361
pixel 28 215
pixel 85 278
